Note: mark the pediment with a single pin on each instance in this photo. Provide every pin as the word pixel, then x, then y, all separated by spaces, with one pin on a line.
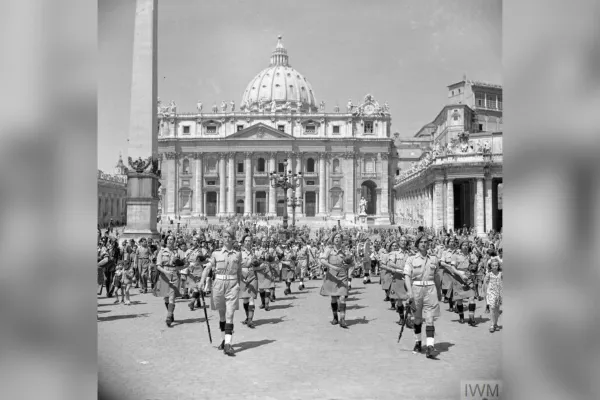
pixel 260 132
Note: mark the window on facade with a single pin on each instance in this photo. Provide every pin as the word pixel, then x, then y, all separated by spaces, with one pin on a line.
pixel 455 117
pixel 480 127
pixel 240 127
pixel 310 129
pixel 491 102
pixel 397 172
pixel 336 129
pixel 186 166
pixel 310 183
pixel 186 129
pixel 336 166
pixel 280 167
pixel 260 167
pixel 240 167
pixel 499 102
pixel 211 165
pixel 310 165
pixel 453 93
pixel 368 126
pixel 210 183
pixel 479 100
pixel 211 129
pixel 240 183
pixel 281 128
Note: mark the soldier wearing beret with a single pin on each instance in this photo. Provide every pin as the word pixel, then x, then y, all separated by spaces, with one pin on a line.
pixel 460 264
pixel 288 266
pixel 337 262
pixel 227 264
pixel 265 272
pixel 197 259
pixel 168 265
pixel 249 284
pixel 302 256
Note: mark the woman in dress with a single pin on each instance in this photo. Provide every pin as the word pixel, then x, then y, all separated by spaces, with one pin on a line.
pixel 493 279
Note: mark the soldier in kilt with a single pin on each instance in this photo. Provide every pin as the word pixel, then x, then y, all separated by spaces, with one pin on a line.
pixel 398 292
pixel 198 257
pixel 302 262
pixel 461 262
pixel 288 266
pixel 249 283
pixel 387 274
pixel 265 273
pixel 227 263
pixel 168 265
pixel 447 281
pixel 337 262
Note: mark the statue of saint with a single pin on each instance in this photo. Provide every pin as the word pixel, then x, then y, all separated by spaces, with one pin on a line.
pixel 199 106
pixel 363 205
pixel 215 109
pixel 386 108
pixel 336 109
pixel 232 104
pixel 223 106
pixel 322 106
pixel 273 106
pixel 349 106
pixel 173 107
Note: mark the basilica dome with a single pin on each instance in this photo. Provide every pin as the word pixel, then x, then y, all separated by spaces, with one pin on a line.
pixel 280 83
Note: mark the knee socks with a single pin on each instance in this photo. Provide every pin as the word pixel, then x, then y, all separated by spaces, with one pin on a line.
pixel 472 310
pixel 246 305
pixel 222 328
pixel 334 308
pixel 228 333
pixel 430 333
pixel 461 310
pixel 342 310
pixel 262 298
pixel 418 332
pixel 250 312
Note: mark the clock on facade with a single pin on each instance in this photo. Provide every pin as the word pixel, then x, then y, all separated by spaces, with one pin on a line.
pixel 369 109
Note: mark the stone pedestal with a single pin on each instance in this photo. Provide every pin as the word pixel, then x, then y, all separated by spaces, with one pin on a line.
pixel 142 206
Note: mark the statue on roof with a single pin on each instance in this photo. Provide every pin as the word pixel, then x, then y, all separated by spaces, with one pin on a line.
pixel 199 106
pixel 386 108
pixel 223 106
pixel 232 104
pixel 349 106
pixel 322 106
pixel 173 107
pixel 215 109
pixel 336 109
pixel 273 106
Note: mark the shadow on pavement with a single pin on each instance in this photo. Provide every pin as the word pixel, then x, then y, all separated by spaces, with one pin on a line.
pixel 359 321
pixel 281 306
pixel 442 347
pixel 117 317
pixel 102 311
pixel 189 321
pixel 355 307
pixel 287 298
pixel 239 347
pixel 351 298
pixel 268 321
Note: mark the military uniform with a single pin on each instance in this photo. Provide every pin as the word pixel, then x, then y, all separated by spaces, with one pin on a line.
pixel 302 264
pixel 335 283
pixel 142 257
pixel 288 268
pixel 421 270
pixel 398 292
pixel 248 285
pixel 460 289
pixel 168 281
pixel 194 273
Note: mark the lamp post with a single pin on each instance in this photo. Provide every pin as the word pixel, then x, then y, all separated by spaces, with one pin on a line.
pixel 294 202
pixel 285 180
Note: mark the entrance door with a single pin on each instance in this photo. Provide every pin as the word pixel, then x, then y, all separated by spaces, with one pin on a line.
pixel 463 210
pixel 310 205
pixel 239 207
pixel 280 205
pixel 368 191
pixel 211 204
pixel 261 203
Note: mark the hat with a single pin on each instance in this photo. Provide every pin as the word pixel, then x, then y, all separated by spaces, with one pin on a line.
pixel 230 232
pixel 463 242
pixel 418 240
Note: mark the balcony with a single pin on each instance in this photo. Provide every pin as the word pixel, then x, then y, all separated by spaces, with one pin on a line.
pixel 369 175
pixel 211 173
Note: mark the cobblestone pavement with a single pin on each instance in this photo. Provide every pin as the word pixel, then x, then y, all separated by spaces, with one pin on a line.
pixel 293 353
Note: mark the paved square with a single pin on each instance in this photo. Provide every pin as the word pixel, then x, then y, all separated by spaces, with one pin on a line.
pixel 293 353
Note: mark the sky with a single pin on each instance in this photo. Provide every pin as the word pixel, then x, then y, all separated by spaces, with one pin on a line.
pixel 403 52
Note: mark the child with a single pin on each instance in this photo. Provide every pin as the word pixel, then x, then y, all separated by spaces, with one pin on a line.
pixel 118 283
pixel 128 280
pixel 493 279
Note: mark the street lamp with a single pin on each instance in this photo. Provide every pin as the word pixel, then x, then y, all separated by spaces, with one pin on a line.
pixel 294 202
pixel 285 180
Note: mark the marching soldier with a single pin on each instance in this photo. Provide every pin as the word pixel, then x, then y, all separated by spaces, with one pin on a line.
pixel 265 273
pixel 227 264
pixel 249 284
pixel 387 274
pixel 288 266
pixel 447 281
pixel 197 258
pixel 460 291
pixel 168 264
pixel 335 283
pixel 142 259
pixel 302 262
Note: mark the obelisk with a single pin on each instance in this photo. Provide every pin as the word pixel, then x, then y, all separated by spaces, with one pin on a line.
pixel 143 175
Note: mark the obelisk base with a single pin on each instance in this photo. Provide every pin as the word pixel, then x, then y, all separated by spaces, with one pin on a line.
pixel 142 206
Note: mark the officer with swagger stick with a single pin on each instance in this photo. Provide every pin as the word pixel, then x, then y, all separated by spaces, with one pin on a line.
pixel 227 264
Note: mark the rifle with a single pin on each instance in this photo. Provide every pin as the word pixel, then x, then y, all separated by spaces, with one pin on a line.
pixel 205 315
pixel 406 310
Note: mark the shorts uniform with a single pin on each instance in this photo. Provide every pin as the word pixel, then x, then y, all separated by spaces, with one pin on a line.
pixel 422 271
pixel 227 265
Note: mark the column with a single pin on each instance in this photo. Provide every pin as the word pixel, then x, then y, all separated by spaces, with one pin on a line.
pixel 170 173
pixel 488 204
pixel 248 202
pixel 479 213
pixel 203 202
pixel 322 186
pixel 450 205
pixel 231 185
pixel 199 199
pixel 299 189
pixel 222 185
pixel 438 211
pixel 272 194
pixel 327 182
pixel 290 192
pixel 384 185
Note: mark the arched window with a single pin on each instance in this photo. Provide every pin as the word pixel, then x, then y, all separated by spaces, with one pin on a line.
pixel 336 166
pixel 261 165
pixel 186 166
pixel 310 165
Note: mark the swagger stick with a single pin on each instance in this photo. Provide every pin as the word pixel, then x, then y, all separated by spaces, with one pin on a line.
pixel 403 323
pixel 205 315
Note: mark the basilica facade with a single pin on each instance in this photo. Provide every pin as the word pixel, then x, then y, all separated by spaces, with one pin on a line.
pixel 218 162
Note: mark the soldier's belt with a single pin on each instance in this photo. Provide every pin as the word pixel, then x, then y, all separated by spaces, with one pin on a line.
pixel 226 277
pixel 423 283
